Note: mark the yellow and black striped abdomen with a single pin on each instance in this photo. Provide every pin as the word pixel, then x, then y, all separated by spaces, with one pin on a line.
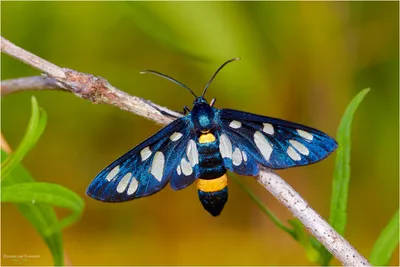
pixel 212 184
pixel 213 194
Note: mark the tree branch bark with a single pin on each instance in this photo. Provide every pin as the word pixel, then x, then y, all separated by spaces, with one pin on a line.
pixel 99 91
pixel 28 83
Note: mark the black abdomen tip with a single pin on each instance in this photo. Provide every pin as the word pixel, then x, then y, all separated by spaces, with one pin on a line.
pixel 214 202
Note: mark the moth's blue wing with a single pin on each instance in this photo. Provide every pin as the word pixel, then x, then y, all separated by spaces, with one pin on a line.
pixel 147 168
pixel 186 167
pixel 271 142
pixel 237 153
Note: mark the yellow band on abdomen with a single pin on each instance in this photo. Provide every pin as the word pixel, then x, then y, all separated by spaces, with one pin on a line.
pixel 206 138
pixel 213 185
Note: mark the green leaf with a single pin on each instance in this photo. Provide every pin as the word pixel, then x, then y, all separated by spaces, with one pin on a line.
pixel 42 217
pixel 304 240
pixel 45 193
pixel 341 177
pixel 36 126
pixel 386 243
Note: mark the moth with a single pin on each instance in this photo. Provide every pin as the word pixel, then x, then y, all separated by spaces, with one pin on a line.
pixel 201 146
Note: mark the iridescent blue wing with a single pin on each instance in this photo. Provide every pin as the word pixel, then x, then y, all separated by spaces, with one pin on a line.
pixel 271 142
pixel 148 167
pixel 186 165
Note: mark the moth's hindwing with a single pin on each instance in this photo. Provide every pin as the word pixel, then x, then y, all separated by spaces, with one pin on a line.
pixel 236 154
pixel 148 167
pixel 274 143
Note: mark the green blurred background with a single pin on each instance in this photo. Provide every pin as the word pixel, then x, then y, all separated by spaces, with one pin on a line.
pixel 301 61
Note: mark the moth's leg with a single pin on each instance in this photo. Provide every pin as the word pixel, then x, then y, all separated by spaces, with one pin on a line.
pixel 160 110
pixel 186 110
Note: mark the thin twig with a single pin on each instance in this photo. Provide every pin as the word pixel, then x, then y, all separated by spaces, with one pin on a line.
pixel 27 83
pixel 31 59
pixel 99 91
pixel 333 241
pixel 93 88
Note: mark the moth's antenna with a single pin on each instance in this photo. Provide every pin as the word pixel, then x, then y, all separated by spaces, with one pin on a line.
pixel 168 78
pixel 215 74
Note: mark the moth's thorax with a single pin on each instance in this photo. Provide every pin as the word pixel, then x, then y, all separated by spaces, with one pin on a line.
pixel 203 116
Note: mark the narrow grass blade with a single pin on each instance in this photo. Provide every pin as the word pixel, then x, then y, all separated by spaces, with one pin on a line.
pixel 310 244
pixel 36 126
pixel 42 217
pixel 341 177
pixel 304 240
pixel 264 208
pixel 387 242
pixel 45 193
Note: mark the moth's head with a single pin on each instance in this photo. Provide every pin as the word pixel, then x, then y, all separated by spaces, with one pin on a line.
pixel 202 115
pixel 199 101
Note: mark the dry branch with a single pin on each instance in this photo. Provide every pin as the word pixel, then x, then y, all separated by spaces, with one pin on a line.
pixel 99 91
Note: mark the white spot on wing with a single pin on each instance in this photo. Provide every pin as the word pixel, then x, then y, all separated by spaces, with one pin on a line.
pixel 244 156
pixel 186 168
pixel 268 128
pixel 124 182
pixel 225 146
pixel 145 153
pixel 111 175
pixel 263 145
pixel 178 169
pixel 235 124
pixel 157 166
pixel 192 153
pixel 133 186
pixel 293 154
pixel 175 136
pixel 299 147
pixel 305 134
pixel 237 157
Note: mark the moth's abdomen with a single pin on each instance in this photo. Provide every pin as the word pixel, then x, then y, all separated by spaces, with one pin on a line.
pixel 210 160
pixel 213 194
pixel 212 183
